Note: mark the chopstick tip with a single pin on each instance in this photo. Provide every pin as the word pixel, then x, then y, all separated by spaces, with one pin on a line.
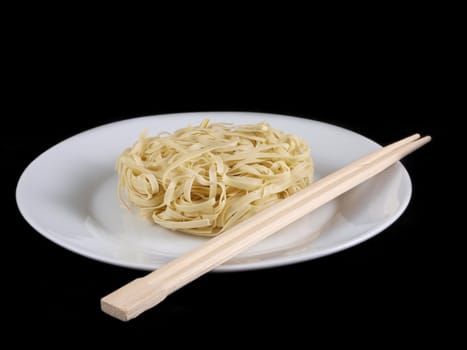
pixel 425 139
pixel 419 143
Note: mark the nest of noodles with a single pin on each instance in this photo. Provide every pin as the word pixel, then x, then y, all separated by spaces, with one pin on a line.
pixel 204 179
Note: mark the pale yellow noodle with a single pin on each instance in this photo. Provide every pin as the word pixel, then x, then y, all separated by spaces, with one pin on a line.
pixel 204 179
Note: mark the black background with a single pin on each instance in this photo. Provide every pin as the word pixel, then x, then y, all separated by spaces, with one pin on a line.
pixel 382 88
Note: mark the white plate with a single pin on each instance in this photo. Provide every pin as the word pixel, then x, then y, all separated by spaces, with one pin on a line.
pixel 68 194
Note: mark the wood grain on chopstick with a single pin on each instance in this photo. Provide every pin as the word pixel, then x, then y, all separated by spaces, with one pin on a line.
pixel 144 293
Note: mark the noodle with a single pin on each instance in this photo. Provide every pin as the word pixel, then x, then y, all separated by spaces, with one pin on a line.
pixel 202 180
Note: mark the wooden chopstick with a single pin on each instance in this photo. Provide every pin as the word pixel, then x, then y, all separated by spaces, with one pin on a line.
pixel 143 293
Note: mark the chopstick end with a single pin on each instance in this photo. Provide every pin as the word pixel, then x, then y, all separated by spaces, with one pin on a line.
pixel 424 140
pixel 114 311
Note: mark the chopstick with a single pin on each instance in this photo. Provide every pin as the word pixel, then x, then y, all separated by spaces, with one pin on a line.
pixel 143 293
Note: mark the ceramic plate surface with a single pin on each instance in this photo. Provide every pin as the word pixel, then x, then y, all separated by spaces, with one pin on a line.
pixel 68 194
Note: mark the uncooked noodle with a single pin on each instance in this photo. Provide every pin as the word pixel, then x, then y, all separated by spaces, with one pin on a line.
pixel 204 179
